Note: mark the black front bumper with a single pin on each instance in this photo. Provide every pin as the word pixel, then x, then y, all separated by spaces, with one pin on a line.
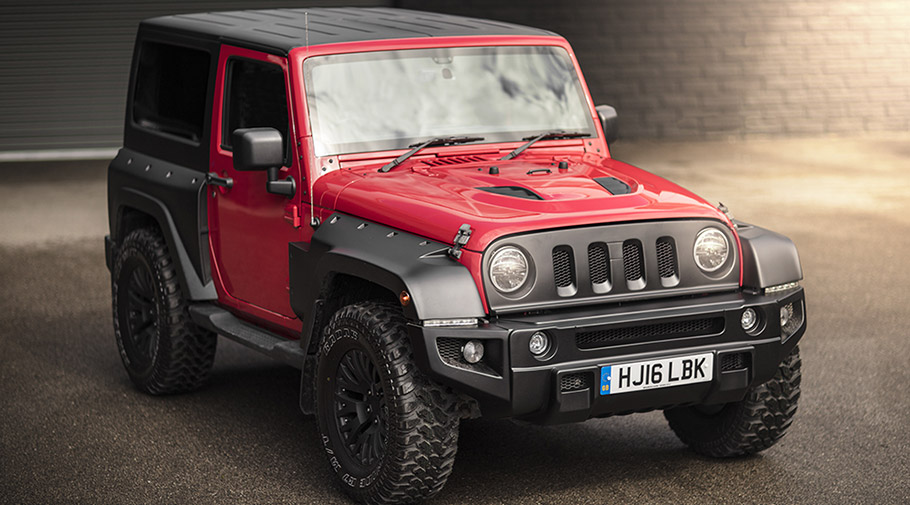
pixel 510 382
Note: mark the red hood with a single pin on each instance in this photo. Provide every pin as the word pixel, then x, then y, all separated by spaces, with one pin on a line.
pixel 434 201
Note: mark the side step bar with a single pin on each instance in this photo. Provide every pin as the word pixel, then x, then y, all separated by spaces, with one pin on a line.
pixel 228 325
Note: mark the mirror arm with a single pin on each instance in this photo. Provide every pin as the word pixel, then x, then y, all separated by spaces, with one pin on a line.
pixel 286 187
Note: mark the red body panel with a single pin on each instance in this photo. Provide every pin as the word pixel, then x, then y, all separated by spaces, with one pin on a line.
pixel 431 201
pixel 435 201
pixel 249 229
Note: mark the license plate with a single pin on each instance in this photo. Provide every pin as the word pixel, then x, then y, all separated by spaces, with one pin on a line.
pixel 658 373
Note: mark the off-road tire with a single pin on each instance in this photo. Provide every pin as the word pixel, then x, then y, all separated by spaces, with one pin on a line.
pixel 745 427
pixel 179 354
pixel 418 421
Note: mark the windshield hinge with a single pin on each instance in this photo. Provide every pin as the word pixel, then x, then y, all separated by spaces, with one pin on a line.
pixel 461 240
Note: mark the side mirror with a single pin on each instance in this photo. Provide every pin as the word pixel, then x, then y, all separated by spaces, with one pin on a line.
pixel 257 149
pixel 262 149
pixel 610 122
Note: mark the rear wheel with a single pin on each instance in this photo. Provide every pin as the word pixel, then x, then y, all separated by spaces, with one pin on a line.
pixel 390 433
pixel 162 349
pixel 744 427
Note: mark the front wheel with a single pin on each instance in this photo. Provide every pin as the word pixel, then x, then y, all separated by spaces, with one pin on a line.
pixel 389 432
pixel 745 427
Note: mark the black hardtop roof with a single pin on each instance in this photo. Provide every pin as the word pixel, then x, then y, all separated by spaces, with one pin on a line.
pixel 284 29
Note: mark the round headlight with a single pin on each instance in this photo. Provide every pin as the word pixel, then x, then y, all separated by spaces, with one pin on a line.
pixel 711 249
pixel 508 269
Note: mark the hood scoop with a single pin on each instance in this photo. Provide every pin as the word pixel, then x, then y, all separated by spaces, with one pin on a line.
pixel 516 191
pixel 613 185
pixel 452 160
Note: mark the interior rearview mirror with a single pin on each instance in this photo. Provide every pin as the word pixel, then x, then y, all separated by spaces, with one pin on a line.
pixel 610 122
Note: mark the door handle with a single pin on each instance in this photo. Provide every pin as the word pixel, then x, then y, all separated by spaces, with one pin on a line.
pixel 214 179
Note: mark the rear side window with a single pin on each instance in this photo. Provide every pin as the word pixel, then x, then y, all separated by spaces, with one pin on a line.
pixel 170 95
pixel 255 97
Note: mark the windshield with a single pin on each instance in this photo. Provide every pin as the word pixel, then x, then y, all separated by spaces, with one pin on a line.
pixel 392 99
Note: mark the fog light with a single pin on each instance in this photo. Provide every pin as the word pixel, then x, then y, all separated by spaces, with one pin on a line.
pixel 539 344
pixel 786 312
pixel 749 319
pixel 472 351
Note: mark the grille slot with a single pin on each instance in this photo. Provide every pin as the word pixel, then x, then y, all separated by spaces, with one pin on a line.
pixel 666 258
pixel 574 382
pixel 735 361
pixel 633 264
pixel 667 262
pixel 599 263
pixel 564 270
pixel 690 328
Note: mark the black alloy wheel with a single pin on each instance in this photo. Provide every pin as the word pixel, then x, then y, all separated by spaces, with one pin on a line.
pixel 141 314
pixel 360 409
pixel 390 434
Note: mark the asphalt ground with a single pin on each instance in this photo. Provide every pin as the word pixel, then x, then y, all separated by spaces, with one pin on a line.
pixel 74 430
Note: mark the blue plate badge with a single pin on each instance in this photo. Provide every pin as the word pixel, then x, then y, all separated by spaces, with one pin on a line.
pixel 605 380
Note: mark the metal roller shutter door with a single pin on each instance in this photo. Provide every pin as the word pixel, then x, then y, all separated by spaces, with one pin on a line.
pixel 64 66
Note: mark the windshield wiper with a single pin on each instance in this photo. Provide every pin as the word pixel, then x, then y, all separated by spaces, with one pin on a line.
pixel 436 141
pixel 558 134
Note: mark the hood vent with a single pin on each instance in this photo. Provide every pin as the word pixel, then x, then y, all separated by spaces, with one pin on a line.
pixel 452 160
pixel 613 185
pixel 516 191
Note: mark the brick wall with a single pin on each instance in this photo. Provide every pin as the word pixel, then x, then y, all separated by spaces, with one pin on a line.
pixel 731 68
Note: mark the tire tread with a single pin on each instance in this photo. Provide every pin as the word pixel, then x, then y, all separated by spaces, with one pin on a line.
pixel 426 418
pixel 186 352
pixel 747 427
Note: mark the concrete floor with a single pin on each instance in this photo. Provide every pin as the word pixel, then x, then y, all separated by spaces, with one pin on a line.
pixel 72 428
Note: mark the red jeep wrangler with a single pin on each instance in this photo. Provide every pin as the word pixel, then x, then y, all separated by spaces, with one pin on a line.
pixel 421 213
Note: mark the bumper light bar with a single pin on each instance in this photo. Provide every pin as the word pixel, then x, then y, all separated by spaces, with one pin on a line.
pixel 781 287
pixel 436 323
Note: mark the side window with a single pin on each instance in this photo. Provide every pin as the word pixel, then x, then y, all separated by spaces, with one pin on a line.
pixel 255 97
pixel 170 94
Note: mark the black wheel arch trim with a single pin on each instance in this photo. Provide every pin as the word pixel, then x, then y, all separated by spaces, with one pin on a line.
pixel 169 196
pixel 439 287
pixel 769 258
pixel 189 280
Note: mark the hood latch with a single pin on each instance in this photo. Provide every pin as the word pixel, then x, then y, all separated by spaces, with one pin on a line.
pixel 461 240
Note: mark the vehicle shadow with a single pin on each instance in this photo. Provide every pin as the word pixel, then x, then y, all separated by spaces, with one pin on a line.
pixel 628 457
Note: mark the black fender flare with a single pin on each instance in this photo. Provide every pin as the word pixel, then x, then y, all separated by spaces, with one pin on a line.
pixel 439 287
pixel 131 198
pixel 769 258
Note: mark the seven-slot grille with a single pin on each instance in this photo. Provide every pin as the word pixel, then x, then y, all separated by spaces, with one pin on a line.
pixel 611 263
pixel 633 263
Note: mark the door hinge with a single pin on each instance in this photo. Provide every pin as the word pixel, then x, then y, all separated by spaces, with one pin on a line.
pixel 292 215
